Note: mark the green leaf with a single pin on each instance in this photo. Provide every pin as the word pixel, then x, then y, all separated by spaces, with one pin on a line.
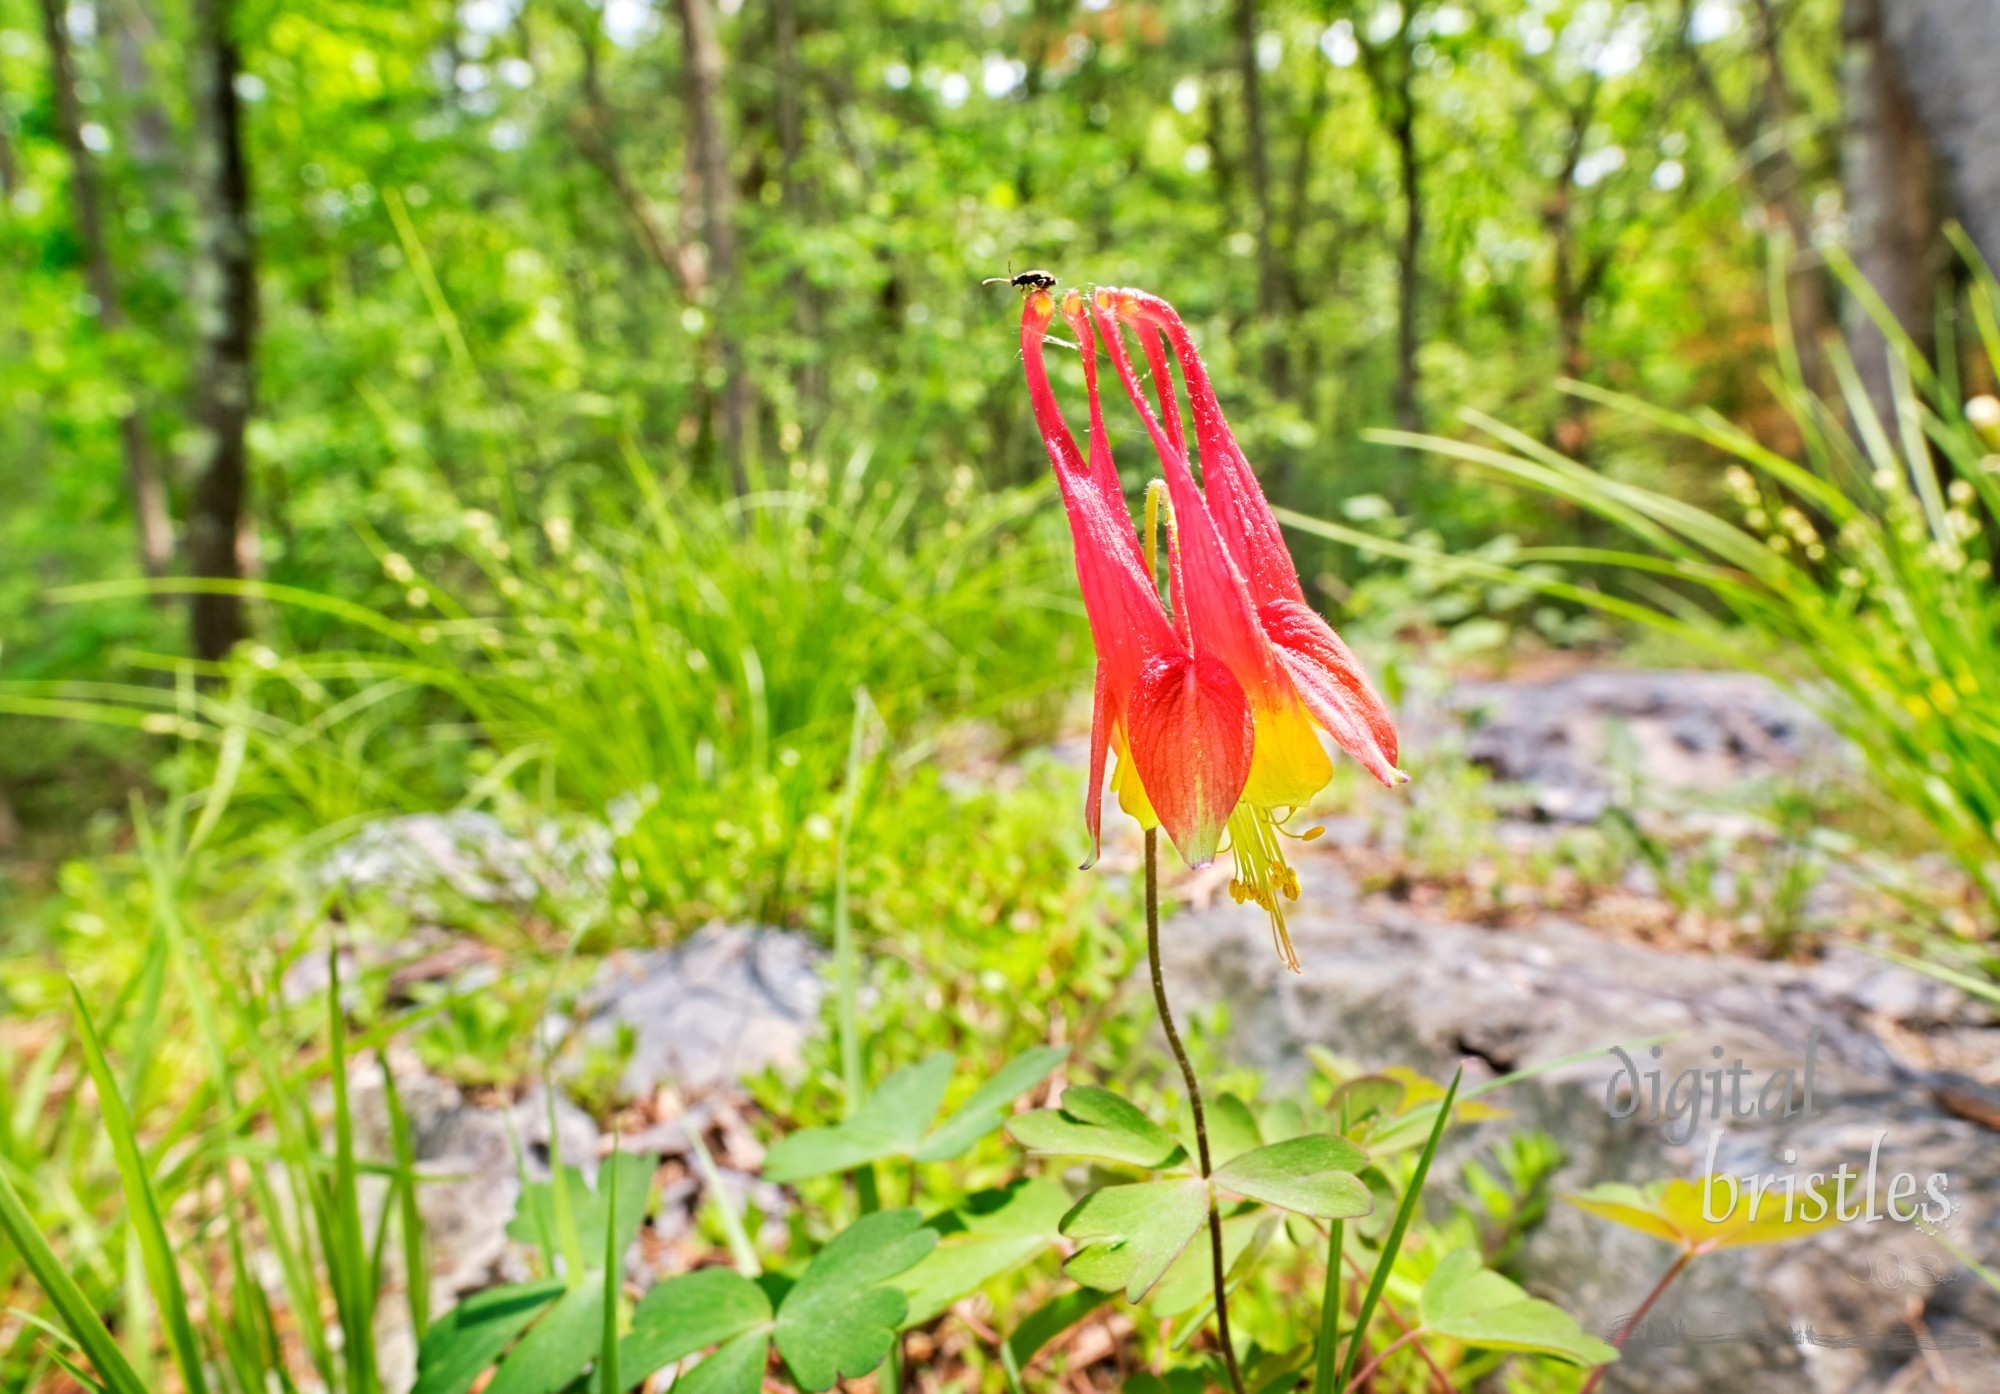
pixel 1190 1280
pixel 737 1368
pixel 77 1314
pixel 991 1233
pixel 163 1274
pixel 1364 1102
pixel 556 1348
pixel 463 1342
pixel 1131 1234
pixel 1094 1122
pixel 709 1307
pixel 891 1123
pixel 1049 1321
pixel 1232 1128
pixel 979 1115
pixel 1385 1263
pixel 1475 1306
pixel 1313 1175
pixel 534 1213
pixel 839 1319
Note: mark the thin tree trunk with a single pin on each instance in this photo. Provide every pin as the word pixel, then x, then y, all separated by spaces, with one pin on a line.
pixel 10 170
pixel 1760 135
pixel 1573 279
pixel 130 26
pixel 225 314
pixel 596 132
pixel 808 380
pixel 1270 291
pixel 1409 413
pixel 143 482
pixel 710 148
pixel 1391 70
pixel 1892 193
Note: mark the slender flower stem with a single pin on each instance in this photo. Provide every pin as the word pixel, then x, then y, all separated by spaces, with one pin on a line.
pixel 1194 1101
pixel 1632 1322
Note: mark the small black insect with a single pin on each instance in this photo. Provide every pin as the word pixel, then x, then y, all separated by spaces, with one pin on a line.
pixel 1025 282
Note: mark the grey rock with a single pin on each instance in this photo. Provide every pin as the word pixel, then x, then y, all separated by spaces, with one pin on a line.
pixel 728 1001
pixel 429 861
pixel 1569 741
pixel 1384 985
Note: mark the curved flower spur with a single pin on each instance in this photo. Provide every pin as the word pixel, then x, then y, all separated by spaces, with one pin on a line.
pixel 1245 669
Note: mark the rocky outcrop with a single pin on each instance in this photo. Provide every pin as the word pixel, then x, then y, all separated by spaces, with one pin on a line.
pixel 1894 1052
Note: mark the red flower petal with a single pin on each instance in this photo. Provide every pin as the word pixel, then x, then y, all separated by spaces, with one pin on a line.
pixel 1333 686
pixel 1191 739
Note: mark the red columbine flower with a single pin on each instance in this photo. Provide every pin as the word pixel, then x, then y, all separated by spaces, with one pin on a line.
pixel 1171 709
pixel 1211 712
pixel 1324 671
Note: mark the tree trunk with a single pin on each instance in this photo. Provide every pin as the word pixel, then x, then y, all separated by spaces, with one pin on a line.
pixel 1409 413
pixel 10 169
pixel 143 482
pixel 225 316
pixel 710 151
pixel 808 380
pixel 1270 291
pixel 1892 197
pixel 1948 49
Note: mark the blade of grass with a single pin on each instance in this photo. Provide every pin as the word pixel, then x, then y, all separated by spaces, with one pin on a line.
pixel 416 1269
pixel 1392 1245
pixel 77 1314
pixel 162 1272
pixel 346 1251
pixel 608 1381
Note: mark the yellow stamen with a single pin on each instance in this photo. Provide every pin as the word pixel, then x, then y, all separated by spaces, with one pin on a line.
pixel 1262 873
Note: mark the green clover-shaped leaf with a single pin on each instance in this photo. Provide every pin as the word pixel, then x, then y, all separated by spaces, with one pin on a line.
pixel 1094 1122
pixel 1473 1305
pixel 989 1234
pixel 894 1120
pixel 1131 1234
pixel 1313 1175
pixel 839 1318
pixel 462 1343
pixel 677 1317
pixel 556 1348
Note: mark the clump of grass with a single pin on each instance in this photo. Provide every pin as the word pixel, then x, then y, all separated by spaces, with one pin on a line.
pixel 681 673
pixel 1860 575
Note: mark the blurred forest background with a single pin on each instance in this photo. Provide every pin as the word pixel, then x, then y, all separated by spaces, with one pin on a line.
pixel 317 295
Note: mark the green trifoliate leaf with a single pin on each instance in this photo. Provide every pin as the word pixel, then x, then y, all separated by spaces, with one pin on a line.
pixel 677 1317
pixel 1363 1103
pixel 557 1348
pixel 1474 1305
pixel 1190 1281
pixel 890 1124
pixel 991 1233
pixel 1232 1128
pixel 1095 1122
pixel 1313 1175
pixel 736 1368
pixel 839 1318
pixel 465 1341
pixel 980 1114
pixel 1132 1234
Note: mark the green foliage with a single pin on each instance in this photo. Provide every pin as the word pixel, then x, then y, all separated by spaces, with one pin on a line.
pixel 894 1120
pixel 1864 569
pixel 836 1322
pixel 1475 1306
